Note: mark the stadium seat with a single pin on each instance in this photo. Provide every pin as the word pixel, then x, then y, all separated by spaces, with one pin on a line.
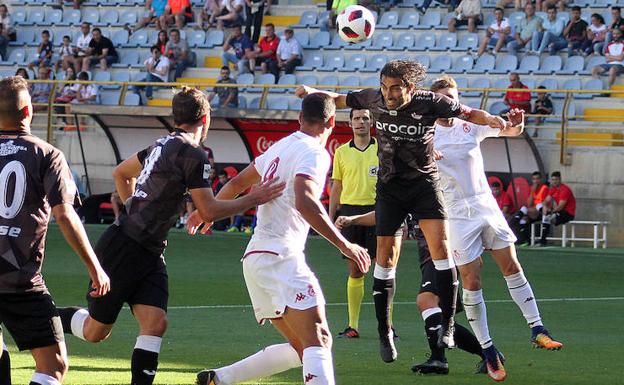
pixel 126 17
pixel 307 19
pixel 127 58
pixel 196 38
pixel 137 76
pixel 60 33
pixel 499 83
pixel 19 16
pixel 570 84
pixel 354 63
pixel 477 83
pixel 262 79
pixel 303 37
pixel 214 38
pixel 109 98
pixel 120 37
pixel 429 20
pixel 461 65
pixel 404 41
pixel 35 17
pixel 515 18
pixel 409 20
pixel 573 65
pixel 132 99
pixel 17 56
pixel 242 101
pixel 563 16
pixel 138 38
pixel 375 63
pixel 371 81
pixel 440 64
pixel 53 17
pixel 351 81
pixel 254 104
pixel 102 76
pixel 311 61
pixel 424 60
pixel 319 40
pixel 497 108
pixel 294 104
pixel 287 79
pixel 276 103
pixel 321 21
pixel 530 83
pixel 558 110
pixel 551 64
pixel 333 62
pixel 505 64
pixel 109 17
pixel 117 76
pixel 152 37
pixel 402 56
pixel 25 36
pixel 244 79
pixel 447 41
pixel 591 63
pixel 591 84
pixel 468 41
pixel 328 83
pixel 359 46
pixel 308 80
pixel 485 63
pixel 550 84
pixel 336 43
pixel 91 16
pixel 529 64
pixel 461 82
pixel 382 41
pixel 425 41
pixel 388 20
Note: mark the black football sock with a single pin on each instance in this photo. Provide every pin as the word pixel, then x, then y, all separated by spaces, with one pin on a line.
pixel 5 367
pixel 446 282
pixel 433 323
pixel 466 341
pixel 66 314
pixel 383 294
pixel 145 360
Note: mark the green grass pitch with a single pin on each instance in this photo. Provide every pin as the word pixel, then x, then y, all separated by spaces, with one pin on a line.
pixel 205 277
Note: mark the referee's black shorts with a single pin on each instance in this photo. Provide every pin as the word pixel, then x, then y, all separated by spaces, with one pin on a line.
pixel 362 235
pixel 395 199
pixel 137 276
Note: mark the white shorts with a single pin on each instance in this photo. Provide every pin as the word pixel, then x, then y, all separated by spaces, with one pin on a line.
pixel 482 227
pixel 275 282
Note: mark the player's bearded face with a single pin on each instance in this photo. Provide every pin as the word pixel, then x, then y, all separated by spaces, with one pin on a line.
pixel 396 94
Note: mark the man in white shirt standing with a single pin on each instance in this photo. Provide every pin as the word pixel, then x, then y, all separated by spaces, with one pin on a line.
pixel 476 223
pixel 615 59
pixel 498 33
pixel 288 53
pixel 82 44
pixel 157 67
pixel 282 287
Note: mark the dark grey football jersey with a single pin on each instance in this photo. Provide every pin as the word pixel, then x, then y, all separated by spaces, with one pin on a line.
pixel 405 135
pixel 173 165
pixel 34 177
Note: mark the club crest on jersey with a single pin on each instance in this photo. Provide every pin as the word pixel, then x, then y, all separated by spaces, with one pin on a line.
pixel 373 170
pixel 207 169
pixel 9 148
pixel 466 128
pixel 393 112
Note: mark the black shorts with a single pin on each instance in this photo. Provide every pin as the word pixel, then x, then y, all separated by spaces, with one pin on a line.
pixel 362 235
pixel 31 319
pixel 395 199
pixel 562 217
pixel 428 283
pixel 137 276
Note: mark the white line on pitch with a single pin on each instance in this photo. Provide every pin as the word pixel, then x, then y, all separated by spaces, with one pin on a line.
pixel 406 303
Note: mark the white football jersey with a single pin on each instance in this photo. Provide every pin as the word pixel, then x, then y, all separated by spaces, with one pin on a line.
pixel 461 169
pixel 280 227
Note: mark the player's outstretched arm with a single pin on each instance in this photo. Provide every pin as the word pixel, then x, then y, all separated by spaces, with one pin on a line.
pixel 484 118
pixel 515 123
pixel 367 219
pixel 125 175
pixel 340 99
pixel 74 233
pixel 314 213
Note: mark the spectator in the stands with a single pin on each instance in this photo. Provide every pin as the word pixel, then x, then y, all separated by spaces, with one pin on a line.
pixel 549 34
pixel 82 45
pixel 206 18
pixel 498 33
pixel 154 10
pixel 44 52
pixel 517 99
pixel 7 24
pixel 4 43
pixel 66 54
pixel 242 47
pixel 288 53
pixel 467 13
pixel 59 5
pixel 161 41
pixel 531 212
pixel 67 93
pixel 41 91
pixel 101 50
pixel 266 53
pixel 504 201
pixel 254 12
pixel 560 4
pixel 616 23
pixel 615 59
pixel 22 72
pixel 178 53
pixel 226 96
pixel 157 68
pixel 559 206
pixel 543 106
pixel 337 7
pixel 179 12
pixel 596 35
pixel 87 93
pixel 231 14
pixel 575 34
pixel 518 4
pixel 525 29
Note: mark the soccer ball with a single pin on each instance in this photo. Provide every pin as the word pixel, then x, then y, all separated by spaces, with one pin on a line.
pixel 355 24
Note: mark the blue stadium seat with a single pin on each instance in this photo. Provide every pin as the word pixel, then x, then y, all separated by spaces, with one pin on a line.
pixel 375 63
pixel 499 83
pixel 382 40
pixel 570 84
pixel 402 56
pixel 409 20
pixel 602 3
pixel 311 61
pixel 307 19
pixel 152 37
pixel 276 103
pixel 440 64
pixel 321 21
pixel 25 35
pixel 91 16
pixel 127 58
pixel 505 64
pixel 284 80
pixel 477 83
pixel 515 18
pixel 550 84
pixel 245 78
pixel 59 35
pixel 308 80
pixel 468 41
pixel 132 99
pixel 424 60
pixel 35 17
pixel 461 64
pixel 550 65
pixel 333 62
pixel 19 16
pixel 294 104
pixel 303 37
pixel 371 81
pixel 336 43
pixel 573 65
pixel 138 38
pixel 461 82
pixel 319 40
pixel 558 109
pixel 109 17
pixel 53 17
pixel 404 41
pixel 354 63
pixel 102 76
pixel 242 101
pixel 254 104
pixel 109 98
pixel 363 45
pixel 485 63
pixel 351 81
pixel 388 20
pixel 529 64
pixel 563 16
pixel 328 83
pixel 17 56
pixel 214 38
pixel 591 84
pixel 497 108
pixel 425 41
pixel 120 37
pixel 117 76
pixel 126 17
pixel 196 38
pixel 447 41
pixel 529 82
pixel 429 20
pixel 262 79
pixel 137 76
pixel 591 63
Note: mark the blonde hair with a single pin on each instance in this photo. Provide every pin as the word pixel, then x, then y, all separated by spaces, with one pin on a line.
pixel 443 82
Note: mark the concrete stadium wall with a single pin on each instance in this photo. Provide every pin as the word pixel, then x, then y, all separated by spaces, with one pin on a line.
pixel 596 176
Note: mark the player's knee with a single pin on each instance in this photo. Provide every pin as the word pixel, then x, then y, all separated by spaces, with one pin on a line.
pixel 96 335
pixel 424 302
pixel 324 336
pixel 157 327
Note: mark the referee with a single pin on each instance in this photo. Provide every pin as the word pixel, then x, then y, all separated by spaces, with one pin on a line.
pixel 353 192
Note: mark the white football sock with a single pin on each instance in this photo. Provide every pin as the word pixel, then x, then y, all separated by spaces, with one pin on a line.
pixel 444 264
pixel 270 360
pixel 318 368
pixel 522 294
pixel 384 272
pixel 477 316
pixel 44 379
pixel 77 323
pixel 148 343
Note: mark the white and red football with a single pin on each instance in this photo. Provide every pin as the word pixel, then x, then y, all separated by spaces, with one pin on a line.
pixel 355 24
